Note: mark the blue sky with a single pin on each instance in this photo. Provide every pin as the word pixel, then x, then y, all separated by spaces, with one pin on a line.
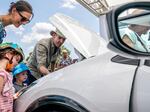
pixel 27 36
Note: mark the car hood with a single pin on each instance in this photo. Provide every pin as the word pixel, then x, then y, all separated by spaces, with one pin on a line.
pixel 86 41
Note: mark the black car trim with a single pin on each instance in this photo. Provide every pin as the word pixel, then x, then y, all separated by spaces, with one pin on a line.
pixel 124 60
pixel 58 100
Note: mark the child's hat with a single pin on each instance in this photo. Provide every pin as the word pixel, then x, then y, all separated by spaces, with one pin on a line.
pixel 10 45
pixel 20 68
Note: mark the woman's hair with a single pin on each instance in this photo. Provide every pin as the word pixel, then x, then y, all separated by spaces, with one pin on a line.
pixel 9 50
pixel 21 5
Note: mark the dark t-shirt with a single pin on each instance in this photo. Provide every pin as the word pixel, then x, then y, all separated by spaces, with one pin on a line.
pixel 18 87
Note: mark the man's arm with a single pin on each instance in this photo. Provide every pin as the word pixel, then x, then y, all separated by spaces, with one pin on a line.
pixel 127 41
pixel 41 56
pixel 43 70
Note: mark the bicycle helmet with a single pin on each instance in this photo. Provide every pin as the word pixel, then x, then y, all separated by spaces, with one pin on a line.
pixel 13 46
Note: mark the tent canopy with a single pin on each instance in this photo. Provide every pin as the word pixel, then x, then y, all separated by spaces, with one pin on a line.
pixel 99 6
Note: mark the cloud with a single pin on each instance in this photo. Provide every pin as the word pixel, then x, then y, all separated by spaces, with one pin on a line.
pixel 38 31
pixel 71 4
pixel 1 12
pixel 30 48
pixel 18 31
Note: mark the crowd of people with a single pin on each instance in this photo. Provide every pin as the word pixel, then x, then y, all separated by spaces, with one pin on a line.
pixel 11 54
pixel 16 74
pixel 47 55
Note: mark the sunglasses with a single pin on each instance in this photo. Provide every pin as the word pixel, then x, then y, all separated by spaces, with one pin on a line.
pixel 23 19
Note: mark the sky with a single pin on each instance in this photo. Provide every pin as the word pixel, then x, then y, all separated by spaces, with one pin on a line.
pixel 28 35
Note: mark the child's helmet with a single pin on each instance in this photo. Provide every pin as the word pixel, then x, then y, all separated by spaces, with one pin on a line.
pixel 14 46
pixel 20 68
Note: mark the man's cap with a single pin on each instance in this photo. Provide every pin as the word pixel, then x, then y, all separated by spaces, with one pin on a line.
pixel 57 32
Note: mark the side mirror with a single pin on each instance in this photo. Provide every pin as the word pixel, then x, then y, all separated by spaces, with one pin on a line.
pixel 129 29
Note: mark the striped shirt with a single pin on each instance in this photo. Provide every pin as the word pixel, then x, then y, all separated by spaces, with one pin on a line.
pixel 6 96
pixel 65 62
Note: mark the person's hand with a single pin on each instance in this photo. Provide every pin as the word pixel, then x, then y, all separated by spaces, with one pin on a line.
pixel 43 70
pixel 15 96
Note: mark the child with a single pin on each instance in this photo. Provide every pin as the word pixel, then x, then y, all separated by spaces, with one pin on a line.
pixel 20 73
pixel 65 59
pixel 10 55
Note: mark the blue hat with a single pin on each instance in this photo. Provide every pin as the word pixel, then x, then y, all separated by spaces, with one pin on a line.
pixel 20 68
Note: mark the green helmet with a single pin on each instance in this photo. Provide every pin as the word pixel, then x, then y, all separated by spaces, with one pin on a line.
pixel 10 45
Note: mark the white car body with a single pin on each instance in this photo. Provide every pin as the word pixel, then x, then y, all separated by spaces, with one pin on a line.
pixel 97 83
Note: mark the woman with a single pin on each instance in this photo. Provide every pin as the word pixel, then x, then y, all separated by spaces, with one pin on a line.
pixel 19 13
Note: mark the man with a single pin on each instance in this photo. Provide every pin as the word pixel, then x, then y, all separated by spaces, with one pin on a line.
pixel 45 54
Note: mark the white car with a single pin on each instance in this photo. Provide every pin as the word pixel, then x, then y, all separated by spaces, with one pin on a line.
pixel 113 78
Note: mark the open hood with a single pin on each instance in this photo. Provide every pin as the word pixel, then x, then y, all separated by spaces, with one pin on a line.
pixel 98 7
pixel 87 42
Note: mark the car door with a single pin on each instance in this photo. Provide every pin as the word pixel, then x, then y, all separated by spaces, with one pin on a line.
pixel 136 27
pixel 138 24
pixel 141 91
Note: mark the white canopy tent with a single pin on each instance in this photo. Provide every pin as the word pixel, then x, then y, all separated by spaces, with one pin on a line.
pixel 99 6
pixel 116 2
